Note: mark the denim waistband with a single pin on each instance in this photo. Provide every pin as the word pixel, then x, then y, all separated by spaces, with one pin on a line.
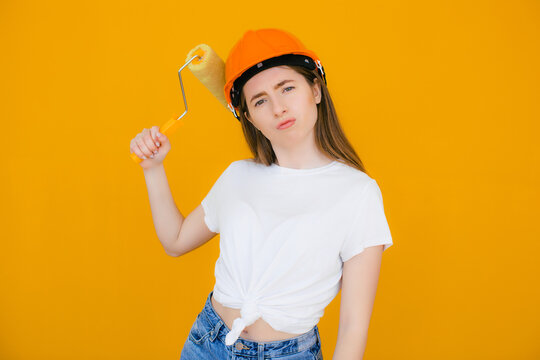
pixel 250 347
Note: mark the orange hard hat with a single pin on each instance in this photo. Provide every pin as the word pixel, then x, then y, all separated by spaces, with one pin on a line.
pixel 259 50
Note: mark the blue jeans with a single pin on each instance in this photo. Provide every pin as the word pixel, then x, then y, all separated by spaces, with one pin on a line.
pixel 206 340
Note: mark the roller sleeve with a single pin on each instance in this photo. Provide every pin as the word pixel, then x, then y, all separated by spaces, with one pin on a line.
pixel 210 70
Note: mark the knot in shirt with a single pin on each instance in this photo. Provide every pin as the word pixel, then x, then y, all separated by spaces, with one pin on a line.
pixel 249 313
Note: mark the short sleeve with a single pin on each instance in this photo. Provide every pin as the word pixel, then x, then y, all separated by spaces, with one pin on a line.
pixel 212 203
pixel 370 227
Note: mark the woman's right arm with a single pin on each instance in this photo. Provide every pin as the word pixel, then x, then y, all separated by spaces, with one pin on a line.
pixel 177 234
pixel 165 214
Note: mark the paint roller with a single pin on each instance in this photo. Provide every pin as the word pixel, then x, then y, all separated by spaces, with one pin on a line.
pixel 209 68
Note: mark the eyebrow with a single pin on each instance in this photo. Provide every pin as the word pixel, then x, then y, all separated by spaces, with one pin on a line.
pixel 275 87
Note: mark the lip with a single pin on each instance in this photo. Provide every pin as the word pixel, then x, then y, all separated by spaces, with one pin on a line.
pixel 286 123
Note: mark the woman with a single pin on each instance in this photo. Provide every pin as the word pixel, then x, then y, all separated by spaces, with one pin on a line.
pixel 298 222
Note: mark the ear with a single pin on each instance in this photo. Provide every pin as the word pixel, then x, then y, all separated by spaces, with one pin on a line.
pixel 317 90
pixel 248 118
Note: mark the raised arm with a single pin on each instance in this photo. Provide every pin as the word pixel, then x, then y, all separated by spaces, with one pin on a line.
pixel 193 233
pixel 177 234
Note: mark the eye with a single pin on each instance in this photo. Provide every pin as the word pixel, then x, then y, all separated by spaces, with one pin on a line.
pixel 289 87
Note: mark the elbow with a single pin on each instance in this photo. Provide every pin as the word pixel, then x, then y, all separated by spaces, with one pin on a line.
pixel 173 249
pixel 173 253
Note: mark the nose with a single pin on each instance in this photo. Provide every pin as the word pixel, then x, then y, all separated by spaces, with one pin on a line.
pixel 279 107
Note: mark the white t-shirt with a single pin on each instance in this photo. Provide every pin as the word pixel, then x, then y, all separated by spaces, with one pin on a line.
pixel 284 235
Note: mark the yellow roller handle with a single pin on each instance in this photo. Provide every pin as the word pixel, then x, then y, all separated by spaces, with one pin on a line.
pixel 168 128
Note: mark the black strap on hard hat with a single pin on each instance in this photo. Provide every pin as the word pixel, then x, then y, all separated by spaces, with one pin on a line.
pixel 287 59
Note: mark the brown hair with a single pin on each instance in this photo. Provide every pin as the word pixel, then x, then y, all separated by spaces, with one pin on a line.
pixel 329 137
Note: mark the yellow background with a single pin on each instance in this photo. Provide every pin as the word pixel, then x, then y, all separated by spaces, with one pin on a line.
pixel 439 98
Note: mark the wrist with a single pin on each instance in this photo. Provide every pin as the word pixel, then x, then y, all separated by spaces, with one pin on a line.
pixel 153 169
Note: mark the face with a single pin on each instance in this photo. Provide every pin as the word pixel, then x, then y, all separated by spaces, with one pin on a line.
pixel 278 94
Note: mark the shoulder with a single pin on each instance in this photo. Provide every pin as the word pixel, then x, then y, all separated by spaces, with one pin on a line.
pixel 356 178
pixel 239 164
pixel 244 164
pixel 237 167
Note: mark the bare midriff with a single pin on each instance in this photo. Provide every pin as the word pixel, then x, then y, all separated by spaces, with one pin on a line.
pixel 260 330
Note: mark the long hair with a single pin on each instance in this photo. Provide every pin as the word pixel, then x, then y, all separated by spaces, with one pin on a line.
pixel 329 136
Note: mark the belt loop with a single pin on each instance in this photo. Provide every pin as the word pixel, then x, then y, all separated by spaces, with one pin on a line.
pixel 214 332
pixel 318 335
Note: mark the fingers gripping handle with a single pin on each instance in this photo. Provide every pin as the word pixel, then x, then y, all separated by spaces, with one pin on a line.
pixel 168 128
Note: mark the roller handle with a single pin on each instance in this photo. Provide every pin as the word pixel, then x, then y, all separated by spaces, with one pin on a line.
pixel 168 128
